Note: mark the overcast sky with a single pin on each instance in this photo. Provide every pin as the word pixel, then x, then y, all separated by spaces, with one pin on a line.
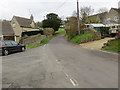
pixel 39 8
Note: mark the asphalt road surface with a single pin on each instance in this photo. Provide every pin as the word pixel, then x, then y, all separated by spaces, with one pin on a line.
pixel 60 64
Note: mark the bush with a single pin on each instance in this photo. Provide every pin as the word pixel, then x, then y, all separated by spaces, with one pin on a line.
pixel 48 31
pixel 71 27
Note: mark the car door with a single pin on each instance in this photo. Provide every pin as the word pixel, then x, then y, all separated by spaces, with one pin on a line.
pixel 15 45
pixel 8 46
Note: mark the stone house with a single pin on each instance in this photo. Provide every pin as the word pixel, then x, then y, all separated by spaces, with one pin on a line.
pixel 111 17
pixel 97 18
pixel 6 31
pixel 21 24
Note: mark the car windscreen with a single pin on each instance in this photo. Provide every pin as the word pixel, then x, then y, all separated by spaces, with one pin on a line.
pixel 7 43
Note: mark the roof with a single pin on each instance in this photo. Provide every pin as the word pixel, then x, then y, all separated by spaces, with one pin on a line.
pixel 116 9
pixel 99 14
pixel 7 28
pixel 96 25
pixel 23 22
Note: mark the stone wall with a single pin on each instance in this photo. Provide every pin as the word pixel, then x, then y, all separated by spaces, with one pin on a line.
pixel 32 40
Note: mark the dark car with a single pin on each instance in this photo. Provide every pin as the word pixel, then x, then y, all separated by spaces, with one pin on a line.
pixel 7 47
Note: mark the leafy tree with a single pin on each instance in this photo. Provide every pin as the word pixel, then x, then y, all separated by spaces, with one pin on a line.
pixel 39 24
pixel 52 21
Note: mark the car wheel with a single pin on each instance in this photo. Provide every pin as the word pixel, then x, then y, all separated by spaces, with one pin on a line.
pixel 23 49
pixel 6 52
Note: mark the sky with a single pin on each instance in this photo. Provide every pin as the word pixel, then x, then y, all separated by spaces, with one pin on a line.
pixel 40 8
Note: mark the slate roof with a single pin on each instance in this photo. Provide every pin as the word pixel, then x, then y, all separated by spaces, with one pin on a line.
pixel 99 14
pixel 118 10
pixel 23 22
pixel 6 28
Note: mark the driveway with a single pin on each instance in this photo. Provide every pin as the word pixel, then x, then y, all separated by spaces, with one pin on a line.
pixel 60 64
pixel 97 45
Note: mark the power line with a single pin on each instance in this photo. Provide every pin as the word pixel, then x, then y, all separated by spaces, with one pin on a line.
pixel 61 5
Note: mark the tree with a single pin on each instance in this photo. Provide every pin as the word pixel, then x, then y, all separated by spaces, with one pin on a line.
pixel 74 14
pixel 85 12
pixel 39 24
pixel 52 21
pixel 102 10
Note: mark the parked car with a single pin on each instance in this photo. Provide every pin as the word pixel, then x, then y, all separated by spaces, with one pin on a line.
pixel 113 30
pixel 118 34
pixel 7 47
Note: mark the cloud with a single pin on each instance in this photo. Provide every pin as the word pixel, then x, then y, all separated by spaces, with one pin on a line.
pixel 39 8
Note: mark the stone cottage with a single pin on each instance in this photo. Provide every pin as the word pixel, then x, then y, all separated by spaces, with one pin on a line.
pixel 111 17
pixel 21 24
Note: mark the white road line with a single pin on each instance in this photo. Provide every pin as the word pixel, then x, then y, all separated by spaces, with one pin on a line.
pixel 67 75
pixel 73 81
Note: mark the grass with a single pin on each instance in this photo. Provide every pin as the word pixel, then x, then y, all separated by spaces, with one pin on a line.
pixel 77 39
pixel 113 46
pixel 44 41
pixel 60 31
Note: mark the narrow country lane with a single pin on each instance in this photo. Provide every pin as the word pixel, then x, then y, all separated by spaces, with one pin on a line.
pixel 60 64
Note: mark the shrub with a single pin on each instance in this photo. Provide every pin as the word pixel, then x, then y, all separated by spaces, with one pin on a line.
pixel 48 31
pixel 71 27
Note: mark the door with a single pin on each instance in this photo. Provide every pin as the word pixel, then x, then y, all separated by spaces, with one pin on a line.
pixel 8 46
pixel 16 46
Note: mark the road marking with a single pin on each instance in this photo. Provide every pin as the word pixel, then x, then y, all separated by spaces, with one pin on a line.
pixel 73 81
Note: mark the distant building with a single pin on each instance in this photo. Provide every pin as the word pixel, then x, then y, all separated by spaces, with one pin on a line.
pixel 97 18
pixel 6 31
pixel 111 17
pixel 21 24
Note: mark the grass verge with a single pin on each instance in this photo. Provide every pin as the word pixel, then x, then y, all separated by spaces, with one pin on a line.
pixel 114 46
pixel 60 31
pixel 44 41
pixel 78 39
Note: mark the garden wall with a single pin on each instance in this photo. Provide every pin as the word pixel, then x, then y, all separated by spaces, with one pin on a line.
pixel 32 40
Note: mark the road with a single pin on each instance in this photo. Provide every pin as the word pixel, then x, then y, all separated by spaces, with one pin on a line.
pixel 60 64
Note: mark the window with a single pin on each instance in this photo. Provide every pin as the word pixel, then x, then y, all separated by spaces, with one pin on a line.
pixel 116 18
pixel 13 24
pixel 14 43
pixel 113 26
pixel 7 43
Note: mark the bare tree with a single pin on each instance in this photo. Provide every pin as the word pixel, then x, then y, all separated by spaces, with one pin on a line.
pixel 85 12
pixel 74 14
pixel 102 10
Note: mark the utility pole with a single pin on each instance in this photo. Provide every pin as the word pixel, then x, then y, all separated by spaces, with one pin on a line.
pixel 78 17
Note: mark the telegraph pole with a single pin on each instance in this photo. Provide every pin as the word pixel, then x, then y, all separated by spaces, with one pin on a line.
pixel 78 17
